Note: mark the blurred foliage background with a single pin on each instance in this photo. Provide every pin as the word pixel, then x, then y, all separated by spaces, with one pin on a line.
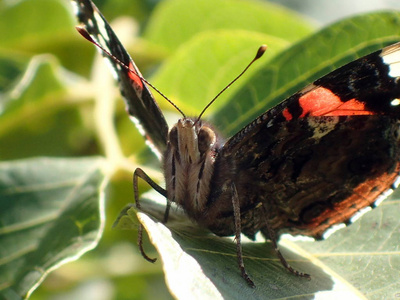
pixel 46 101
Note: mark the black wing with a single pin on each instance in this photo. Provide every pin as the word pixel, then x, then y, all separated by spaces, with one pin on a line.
pixel 323 154
pixel 140 103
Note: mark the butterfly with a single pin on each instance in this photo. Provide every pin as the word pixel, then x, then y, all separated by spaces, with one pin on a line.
pixel 316 160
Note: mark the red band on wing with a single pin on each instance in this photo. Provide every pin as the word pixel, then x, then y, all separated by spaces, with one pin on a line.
pixel 322 102
pixel 134 76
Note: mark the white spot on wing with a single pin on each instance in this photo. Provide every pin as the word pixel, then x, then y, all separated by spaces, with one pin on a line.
pixel 358 214
pixel 391 56
pixel 379 200
pixel 143 133
pixel 154 149
pixel 101 25
pixel 112 67
pixel 75 7
pixel 395 102
pixel 396 182
pixel 331 230
pixel 394 69
pixel 90 22
pixel 382 197
pixel 138 125
pixel 388 193
pixel 297 238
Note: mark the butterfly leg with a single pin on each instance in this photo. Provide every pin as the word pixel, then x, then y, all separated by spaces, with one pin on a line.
pixel 238 230
pixel 272 237
pixel 139 173
pixel 166 213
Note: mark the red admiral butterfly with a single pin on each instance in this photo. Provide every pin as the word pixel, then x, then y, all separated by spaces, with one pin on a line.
pixel 314 161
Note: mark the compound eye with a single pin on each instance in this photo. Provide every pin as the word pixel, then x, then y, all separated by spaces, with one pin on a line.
pixel 173 137
pixel 206 139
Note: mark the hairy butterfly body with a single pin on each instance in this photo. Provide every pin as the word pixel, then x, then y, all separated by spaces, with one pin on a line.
pixel 314 161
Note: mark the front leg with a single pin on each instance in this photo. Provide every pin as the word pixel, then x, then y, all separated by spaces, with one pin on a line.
pixel 273 239
pixel 139 173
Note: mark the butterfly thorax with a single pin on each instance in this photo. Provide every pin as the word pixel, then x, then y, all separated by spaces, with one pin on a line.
pixel 189 164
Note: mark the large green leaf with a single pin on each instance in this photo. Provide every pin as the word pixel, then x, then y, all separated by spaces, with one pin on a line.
pixel 203 66
pixel 204 266
pixel 177 21
pixel 50 214
pixel 35 109
pixel 31 27
pixel 31 24
pixel 306 61
pixel 11 67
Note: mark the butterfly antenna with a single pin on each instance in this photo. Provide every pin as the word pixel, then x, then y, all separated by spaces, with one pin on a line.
pixel 260 53
pixel 83 32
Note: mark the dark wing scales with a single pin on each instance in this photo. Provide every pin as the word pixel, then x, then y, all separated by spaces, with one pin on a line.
pixel 316 172
pixel 320 156
pixel 139 101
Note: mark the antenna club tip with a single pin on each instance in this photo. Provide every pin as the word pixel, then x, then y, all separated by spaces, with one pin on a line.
pixel 79 28
pixel 261 51
pixel 83 32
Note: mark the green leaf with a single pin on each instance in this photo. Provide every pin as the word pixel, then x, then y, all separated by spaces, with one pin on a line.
pixel 41 78
pixel 36 109
pixel 204 266
pixel 11 67
pixel 306 61
pixel 50 214
pixel 175 22
pixel 30 27
pixel 203 66
pixel 33 24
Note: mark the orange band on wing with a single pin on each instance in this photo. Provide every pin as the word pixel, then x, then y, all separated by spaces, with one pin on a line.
pixel 322 102
pixel 134 76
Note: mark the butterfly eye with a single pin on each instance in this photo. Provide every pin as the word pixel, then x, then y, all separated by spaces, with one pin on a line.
pixel 173 137
pixel 206 139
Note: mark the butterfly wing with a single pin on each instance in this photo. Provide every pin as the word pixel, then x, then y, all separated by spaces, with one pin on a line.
pixel 139 101
pixel 320 156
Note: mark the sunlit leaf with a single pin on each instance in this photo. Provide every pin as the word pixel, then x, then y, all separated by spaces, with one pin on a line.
pixel 51 213
pixel 197 262
pixel 202 67
pixel 175 22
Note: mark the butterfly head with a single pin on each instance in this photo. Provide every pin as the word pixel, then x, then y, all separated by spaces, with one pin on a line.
pixel 189 163
pixel 191 140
